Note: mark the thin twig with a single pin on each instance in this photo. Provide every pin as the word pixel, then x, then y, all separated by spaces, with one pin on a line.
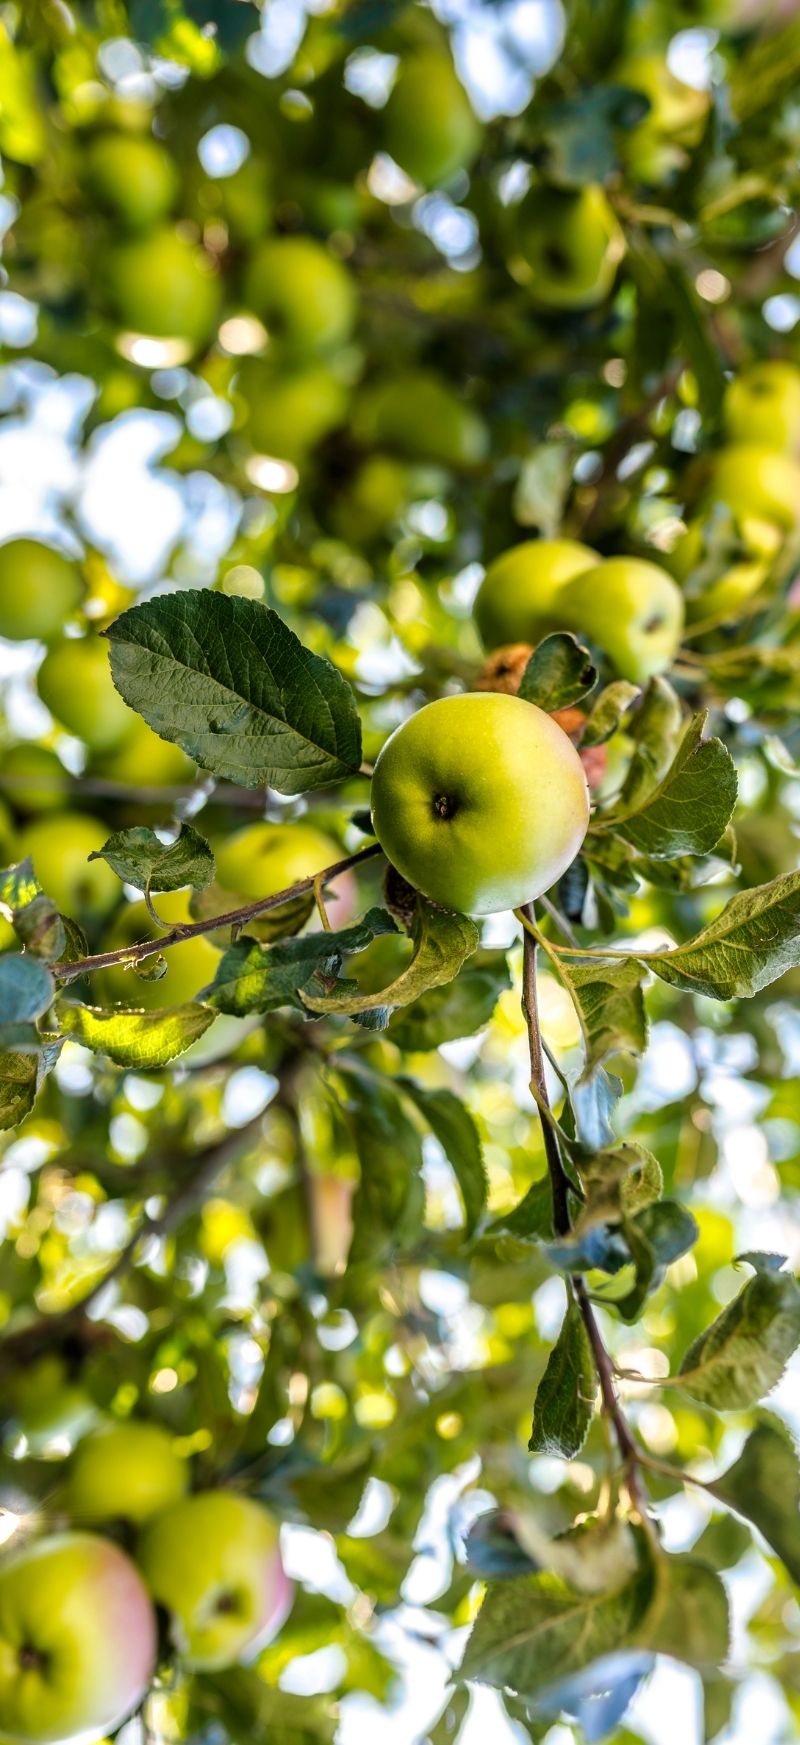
pixel 68 972
pixel 559 1182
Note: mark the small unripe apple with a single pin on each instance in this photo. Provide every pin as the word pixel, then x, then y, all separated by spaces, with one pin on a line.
pixel 125 1472
pixel 39 590
pixel 762 404
pixel 77 1640
pixel 517 598
pixel 191 965
pixel 757 483
pixel 722 576
pixel 291 410
pixel 429 125
pixel 631 609
pixel 59 846
pixel 144 760
pixel 132 177
pixel 303 294
pixel 213 1562
pixel 263 858
pixel 569 245
pixel 420 416
pixel 657 146
pixel 480 801
pixel 163 285
pixel 33 778
pixel 74 682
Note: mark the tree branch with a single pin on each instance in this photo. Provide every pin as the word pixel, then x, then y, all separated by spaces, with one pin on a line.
pixel 68 972
pixel 559 1183
pixel 20 1345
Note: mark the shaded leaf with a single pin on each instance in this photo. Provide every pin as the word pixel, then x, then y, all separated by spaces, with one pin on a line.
pixel 692 805
pixel 764 1486
pixel 559 672
pixel 610 1005
pixel 743 1354
pixel 140 858
pixel 41 929
pixel 442 941
pixel 26 988
pixel 452 1124
pixel 609 712
pixel 18 1087
pixel 228 681
pixel 543 486
pixel 389 1201
pixel 532 1633
pixel 532 1219
pixel 453 1009
pixel 754 940
pixel 139 1040
pixel 565 1397
pixel 259 978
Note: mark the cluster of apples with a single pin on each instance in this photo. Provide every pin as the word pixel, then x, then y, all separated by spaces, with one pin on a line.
pixel 78 1627
pixel 746 496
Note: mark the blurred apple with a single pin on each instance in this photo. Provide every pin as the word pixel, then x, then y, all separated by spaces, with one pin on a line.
pixel 163 285
pixel 33 778
pixel 429 125
pixel 290 411
pixel 126 1472
pixel 142 759
pixel 131 176
pixel 421 416
pixel 568 247
pixel 632 609
pixel 190 965
pixel 303 294
pixel 517 598
pixel 263 858
pixel 39 589
pixel 74 682
pixel 59 846
pixel 759 485
pixel 657 146
pixel 213 1562
pixel 77 1640
pixel 762 404
pixel 50 1410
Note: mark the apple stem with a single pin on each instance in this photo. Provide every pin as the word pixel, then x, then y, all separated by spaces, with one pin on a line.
pixel 129 954
pixel 632 1458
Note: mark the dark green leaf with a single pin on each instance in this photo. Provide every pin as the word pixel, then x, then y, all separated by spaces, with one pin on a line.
pixel 533 1632
pixel 743 1354
pixel 41 929
pixel 258 978
pixel 224 678
pixel 26 988
pixel 754 940
pixel 764 1486
pixel 566 1394
pixel 558 673
pixel 452 1124
pixel 138 1040
pixel 140 858
pixel 442 942
pixel 609 1002
pixel 454 1009
pixel 693 804
pixel 390 1198
pixel 609 711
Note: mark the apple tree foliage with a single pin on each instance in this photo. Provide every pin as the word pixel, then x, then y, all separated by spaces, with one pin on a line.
pixel 311 1218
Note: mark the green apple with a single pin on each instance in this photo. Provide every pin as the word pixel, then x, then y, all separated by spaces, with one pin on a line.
pixel 720 572
pixel 77 1640
pixel 632 609
pixel 420 415
pixel 480 801
pixel 33 778
pixel 517 598
pixel 290 411
pixel 303 294
pixel 190 965
pixel 373 499
pixel 568 247
pixel 124 1472
pixel 263 858
pixel 132 177
pixel 213 1562
pixel 59 846
pixel 165 286
pixel 47 1408
pixel 39 589
pixel 758 484
pixel 74 682
pixel 429 125
pixel 657 146
pixel 762 404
